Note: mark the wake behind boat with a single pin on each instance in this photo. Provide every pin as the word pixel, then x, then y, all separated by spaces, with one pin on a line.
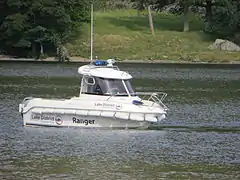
pixel 106 99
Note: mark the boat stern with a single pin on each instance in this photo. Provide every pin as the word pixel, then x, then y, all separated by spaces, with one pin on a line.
pixel 22 105
pixel 20 108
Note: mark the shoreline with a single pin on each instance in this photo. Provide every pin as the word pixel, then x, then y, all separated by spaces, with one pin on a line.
pixel 85 60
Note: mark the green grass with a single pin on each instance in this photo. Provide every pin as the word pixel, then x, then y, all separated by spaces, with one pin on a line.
pixel 126 35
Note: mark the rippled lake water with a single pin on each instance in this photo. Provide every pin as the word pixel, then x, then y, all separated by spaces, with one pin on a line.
pixel 200 139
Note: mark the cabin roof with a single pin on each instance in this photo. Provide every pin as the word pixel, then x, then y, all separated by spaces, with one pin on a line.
pixel 104 72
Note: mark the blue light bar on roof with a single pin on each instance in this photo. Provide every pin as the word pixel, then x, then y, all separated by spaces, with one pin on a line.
pixel 101 63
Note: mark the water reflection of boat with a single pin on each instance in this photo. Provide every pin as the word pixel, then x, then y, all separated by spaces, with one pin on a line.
pixel 106 99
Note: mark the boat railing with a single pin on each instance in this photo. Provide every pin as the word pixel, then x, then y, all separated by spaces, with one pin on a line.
pixel 156 97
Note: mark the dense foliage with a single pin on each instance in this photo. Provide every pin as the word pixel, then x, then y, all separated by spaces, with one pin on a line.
pixel 37 23
pixel 225 19
pixel 106 5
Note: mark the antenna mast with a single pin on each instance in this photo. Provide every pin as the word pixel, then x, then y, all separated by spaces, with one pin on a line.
pixel 91 32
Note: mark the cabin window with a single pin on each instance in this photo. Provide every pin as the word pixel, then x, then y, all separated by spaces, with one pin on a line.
pixel 129 87
pixel 89 80
pixel 97 90
pixel 114 87
pixel 108 87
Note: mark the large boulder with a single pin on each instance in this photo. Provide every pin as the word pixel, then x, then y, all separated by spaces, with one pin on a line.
pixel 224 45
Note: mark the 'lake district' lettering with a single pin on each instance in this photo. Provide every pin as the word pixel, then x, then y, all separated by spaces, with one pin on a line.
pixel 43 117
pixel 82 121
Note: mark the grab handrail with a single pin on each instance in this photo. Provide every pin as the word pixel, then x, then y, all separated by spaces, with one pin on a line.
pixel 154 96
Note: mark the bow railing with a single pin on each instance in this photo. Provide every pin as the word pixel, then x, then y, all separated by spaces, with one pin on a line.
pixel 156 97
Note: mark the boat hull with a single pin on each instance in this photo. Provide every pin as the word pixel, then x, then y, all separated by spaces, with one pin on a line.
pixel 72 120
pixel 89 112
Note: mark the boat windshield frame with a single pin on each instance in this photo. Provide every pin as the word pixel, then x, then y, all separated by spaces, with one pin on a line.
pixel 106 86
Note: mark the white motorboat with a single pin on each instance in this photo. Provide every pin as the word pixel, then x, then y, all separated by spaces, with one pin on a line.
pixel 106 99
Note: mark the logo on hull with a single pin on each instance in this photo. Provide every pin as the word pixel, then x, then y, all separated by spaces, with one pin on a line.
pixel 48 118
pixel 43 117
pixel 58 120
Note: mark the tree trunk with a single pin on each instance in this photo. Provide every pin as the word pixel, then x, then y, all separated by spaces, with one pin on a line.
pixel 150 20
pixel 186 15
pixel 33 44
pixel 41 50
pixel 208 15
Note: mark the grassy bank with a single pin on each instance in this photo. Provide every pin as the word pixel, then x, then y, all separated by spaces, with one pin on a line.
pixel 126 35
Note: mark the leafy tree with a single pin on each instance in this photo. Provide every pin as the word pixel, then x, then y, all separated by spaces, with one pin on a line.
pixel 222 17
pixel 111 4
pixel 157 4
pixel 37 22
pixel 226 20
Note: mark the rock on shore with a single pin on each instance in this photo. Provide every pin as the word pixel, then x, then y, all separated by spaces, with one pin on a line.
pixel 224 45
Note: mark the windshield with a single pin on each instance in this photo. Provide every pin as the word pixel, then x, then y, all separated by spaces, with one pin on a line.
pixel 114 87
pixel 130 88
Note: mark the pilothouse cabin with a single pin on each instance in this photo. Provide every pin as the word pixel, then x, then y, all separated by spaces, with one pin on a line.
pixel 102 78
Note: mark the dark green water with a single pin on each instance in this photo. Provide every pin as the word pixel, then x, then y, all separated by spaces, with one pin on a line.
pixel 200 139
